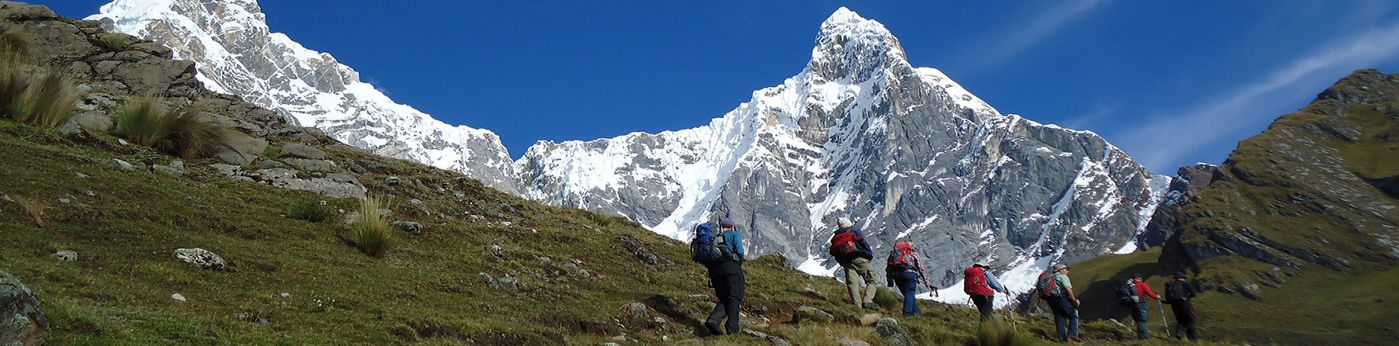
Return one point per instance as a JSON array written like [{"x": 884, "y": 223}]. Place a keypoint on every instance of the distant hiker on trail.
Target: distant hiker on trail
[
  {"x": 904, "y": 270},
  {"x": 981, "y": 285},
  {"x": 723, "y": 254},
  {"x": 849, "y": 248},
  {"x": 1054, "y": 287},
  {"x": 1131, "y": 293},
  {"x": 1179, "y": 293}
]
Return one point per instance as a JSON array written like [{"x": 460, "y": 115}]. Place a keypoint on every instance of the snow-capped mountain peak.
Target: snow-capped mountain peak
[{"x": 237, "y": 53}]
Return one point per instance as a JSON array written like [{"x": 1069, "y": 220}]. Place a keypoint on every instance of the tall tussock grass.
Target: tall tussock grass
[
  {"x": 370, "y": 230},
  {"x": 183, "y": 133},
  {"x": 310, "y": 210},
  {"x": 15, "y": 45},
  {"x": 44, "y": 98}
]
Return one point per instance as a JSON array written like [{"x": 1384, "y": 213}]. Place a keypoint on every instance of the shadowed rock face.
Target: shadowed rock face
[
  {"x": 1305, "y": 192},
  {"x": 1165, "y": 221},
  {"x": 904, "y": 151},
  {"x": 234, "y": 52}
]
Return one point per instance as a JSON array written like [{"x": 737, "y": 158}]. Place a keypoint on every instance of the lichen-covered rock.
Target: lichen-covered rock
[
  {"x": 893, "y": 333},
  {"x": 21, "y": 320},
  {"x": 204, "y": 259},
  {"x": 807, "y": 314}
]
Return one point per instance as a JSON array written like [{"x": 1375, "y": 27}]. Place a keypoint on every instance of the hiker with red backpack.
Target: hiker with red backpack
[
  {"x": 1056, "y": 289},
  {"x": 981, "y": 285},
  {"x": 722, "y": 253},
  {"x": 905, "y": 271},
  {"x": 1132, "y": 294},
  {"x": 850, "y": 249}
]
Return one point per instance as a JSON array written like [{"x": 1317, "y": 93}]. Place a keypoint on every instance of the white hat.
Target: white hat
[
  {"x": 844, "y": 222},
  {"x": 982, "y": 263}
]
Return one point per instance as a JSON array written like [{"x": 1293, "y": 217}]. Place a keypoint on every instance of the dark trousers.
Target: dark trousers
[
  {"x": 983, "y": 304},
  {"x": 728, "y": 287},
  {"x": 908, "y": 286},
  {"x": 1065, "y": 317},
  {"x": 1139, "y": 315},
  {"x": 1185, "y": 319}
]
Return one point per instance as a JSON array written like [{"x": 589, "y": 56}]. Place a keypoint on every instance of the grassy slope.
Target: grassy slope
[{"x": 1297, "y": 194}]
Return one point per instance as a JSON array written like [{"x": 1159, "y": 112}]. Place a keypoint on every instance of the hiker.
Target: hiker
[
  {"x": 1131, "y": 294},
  {"x": 1179, "y": 293},
  {"x": 905, "y": 271},
  {"x": 849, "y": 248},
  {"x": 1056, "y": 290},
  {"x": 981, "y": 285},
  {"x": 723, "y": 254}
]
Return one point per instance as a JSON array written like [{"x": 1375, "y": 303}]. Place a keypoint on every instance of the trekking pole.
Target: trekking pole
[{"x": 1163, "y": 317}]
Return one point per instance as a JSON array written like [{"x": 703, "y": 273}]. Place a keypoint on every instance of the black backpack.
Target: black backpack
[
  {"x": 1127, "y": 293},
  {"x": 1178, "y": 291}
]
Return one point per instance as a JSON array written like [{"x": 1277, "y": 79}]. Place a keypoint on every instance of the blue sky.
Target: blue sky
[{"x": 1171, "y": 82}]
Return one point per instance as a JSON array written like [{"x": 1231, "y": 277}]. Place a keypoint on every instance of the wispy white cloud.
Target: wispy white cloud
[
  {"x": 1030, "y": 34},
  {"x": 1167, "y": 140}
]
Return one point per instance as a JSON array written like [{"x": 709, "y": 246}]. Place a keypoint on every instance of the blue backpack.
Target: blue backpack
[{"x": 708, "y": 247}]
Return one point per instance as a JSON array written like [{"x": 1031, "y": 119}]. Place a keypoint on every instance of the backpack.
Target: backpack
[
  {"x": 1127, "y": 293},
  {"x": 900, "y": 261},
  {"x": 974, "y": 282},
  {"x": 1176, "y": 291},
  {"x": 1047, "y": 286},
  {"x": 844, "y": 245},
  {"x": 708, "y": 246}
]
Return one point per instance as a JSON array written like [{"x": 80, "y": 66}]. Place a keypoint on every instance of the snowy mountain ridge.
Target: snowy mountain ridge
[
  {"x": 236, "y": 53},
  {"x": 858, "y": 132}
]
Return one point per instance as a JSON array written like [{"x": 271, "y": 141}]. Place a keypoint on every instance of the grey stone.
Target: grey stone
[
  {"x": 392, "y": 180},
  {"x": 92, "y": 121},
  {"x": 638, "y": 311},
  {"x": 409, "y": 226},
  {"x": 176, "y": 168},
  {"x": 66, "y": 255},
  {"x": 848, "y": 341},
  {"x": 893, "y": 333},
  {"x": 643, "y": 253},
  {"x": 226, "y": 169},
  {"x": 807, "y": 314},
  {"x": 178, "y": 297},
  {"x": 21, "y": 11},
  {"x": 307, "y": 165},
  {"x": 775, "y": 340},
  {"x": 22, "y": 322},
  {"x": 204, "y": 259},
  {"x": 122, "y": 165},
  {"x": 242, "y": 149},
  {"x": 298, "y": 150}
]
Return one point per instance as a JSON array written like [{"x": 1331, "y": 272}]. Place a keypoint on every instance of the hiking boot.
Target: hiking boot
[
  {"x": 870, "y": 306},
  {"x": 713, "y": 328}
]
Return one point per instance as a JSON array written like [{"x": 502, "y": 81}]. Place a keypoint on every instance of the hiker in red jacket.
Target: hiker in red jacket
[{"x": 981, "y": 285}]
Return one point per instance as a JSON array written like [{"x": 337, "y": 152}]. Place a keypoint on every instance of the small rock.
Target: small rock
[
  {"x": 609, "y": 344},
  {"x": 64, "y": 200},
  {"x": 490, "y": 280},
  {"x": 176, "y": 168},
  {"x": 302, "y": 151},
  {"x": 248, "y": 316},
  {"x": 637, "y": 310},
  {"x": 122, "y": 141},
  {"x": 496, "y": 250},
  {"x": 893, "y": 333},
  {"x": 284, "y": 295},
  {"x": 813, "y": 293},
  {"x": 122, "y": 165},
  {"x": 409, "y": 226},
  {"x": 776, "y": 341},
  {"x": 807, "y": 314},
  {"x": 81, "y": 175},
  {"x": 66, "y": 255},
  {"x": 643, "y": 253},
  {"x": 870, "y": 319},
  {"x": 848, "y": 341},
  {"x": 204, "y": 259},
  {"x": 178, "y": 297},
  {"x": 89, "y": 193},
  {"x": 19, "y": 310},
  {"x": 622, "y": 338},
  {"x": 392, "y": 180}
]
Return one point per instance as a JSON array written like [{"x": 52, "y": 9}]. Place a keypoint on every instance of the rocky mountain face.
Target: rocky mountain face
[
  {"x": 1189, "y": 180},
  {"x": 1314, "y": 190},
  {"x": 234, "y": 52},
  {"x": 859, "y": 132}
]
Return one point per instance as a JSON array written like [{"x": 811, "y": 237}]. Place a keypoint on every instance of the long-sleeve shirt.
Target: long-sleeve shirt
[
  {"x": 863, "y": 245},
  {"x": 918, "y": 268},
  {"x": 995, "y": 285},
  {"x": 1145, "y": 290},
  {"x": 736, "y": 240}
]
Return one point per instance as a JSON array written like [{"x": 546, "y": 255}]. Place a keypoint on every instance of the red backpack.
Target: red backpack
[
  {"x": 843, "y": 245},
  {"x": 1047, "y": 285},
  {"x": 900, "y": 260},
  {"x": 975, "y": 282}
]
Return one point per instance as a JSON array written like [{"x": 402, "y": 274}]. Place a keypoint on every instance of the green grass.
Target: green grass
[
  {"x": 15, "y": 45},
  {"x": 184, "y": 132},
  {"x": 313, "y": 210},
  {"x": 114, "y": 41}
]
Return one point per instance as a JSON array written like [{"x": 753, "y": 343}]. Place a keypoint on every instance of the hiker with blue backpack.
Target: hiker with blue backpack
[
  {"x": 1132, "y": 293},
  {"x": 979, "y": 283},
  {"x": 721, "y": 252},
  {"x": 905, "y": 271},
  {"x": 850, "y": 249}
]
